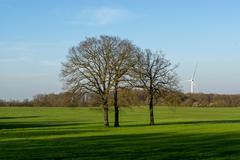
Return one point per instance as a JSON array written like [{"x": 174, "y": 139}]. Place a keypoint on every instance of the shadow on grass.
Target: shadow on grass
[
  {"x": 15, "y": 125},
  {"x": 19, "y": 117},
  {"x": 186, "y": 122},
  {"x": 132, "y": 146}
]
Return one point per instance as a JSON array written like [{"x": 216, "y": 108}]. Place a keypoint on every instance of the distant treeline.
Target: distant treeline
[{"x": 129, "y": 97}]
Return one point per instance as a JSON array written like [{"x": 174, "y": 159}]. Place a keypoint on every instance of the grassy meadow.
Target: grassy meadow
[{"x": 78, "y": 133}]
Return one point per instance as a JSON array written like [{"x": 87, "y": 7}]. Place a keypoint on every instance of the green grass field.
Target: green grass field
[{"x": 78, "y": 133}]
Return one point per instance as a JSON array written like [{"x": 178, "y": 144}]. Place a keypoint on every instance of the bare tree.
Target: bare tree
[
  {"x": 123, "y": 60},
  {"x": 88, "y": 69},
  {"x": 155, "y": 74}
]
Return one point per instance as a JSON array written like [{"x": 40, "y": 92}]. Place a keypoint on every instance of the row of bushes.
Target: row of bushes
[{"x": 128, "y": 97}]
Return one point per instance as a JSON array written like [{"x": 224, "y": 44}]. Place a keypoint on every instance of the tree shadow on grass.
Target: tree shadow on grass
[
  {"x": 15, "y": 125},
  {"x": 130, "y": 146},
  {"x": 186, "y": 123},
  {"x": 19, "y": 117}
]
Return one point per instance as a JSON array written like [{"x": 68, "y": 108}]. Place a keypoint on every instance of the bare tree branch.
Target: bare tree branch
[{"x": 154, "y": 74}]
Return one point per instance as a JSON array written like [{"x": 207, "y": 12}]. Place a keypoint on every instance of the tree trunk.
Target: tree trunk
[
  {"x": 116, "y": 109},
  {"x": 151, "y": 110},
  {"x": 105, "y": 110}
]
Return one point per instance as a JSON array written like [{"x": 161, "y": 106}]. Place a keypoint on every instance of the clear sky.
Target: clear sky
[{"x": 35, "y": 37}]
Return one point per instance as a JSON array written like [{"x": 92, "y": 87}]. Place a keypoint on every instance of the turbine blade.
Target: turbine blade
[
  {"x": 194, "y": 73},
  {"x": 186, "y": 80}
]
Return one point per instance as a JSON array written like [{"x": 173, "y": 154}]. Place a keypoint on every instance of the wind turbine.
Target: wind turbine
[{"x": 192, "y": 80}]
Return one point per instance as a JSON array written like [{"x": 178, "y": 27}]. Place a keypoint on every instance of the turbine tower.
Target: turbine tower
[{"x": 192, "y": 80}]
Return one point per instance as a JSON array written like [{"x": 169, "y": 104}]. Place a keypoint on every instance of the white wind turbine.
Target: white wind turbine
[{"x": 192, "y": 81}]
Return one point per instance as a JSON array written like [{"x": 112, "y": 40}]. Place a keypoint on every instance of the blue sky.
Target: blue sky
[{"x": 35, "y": 37}]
